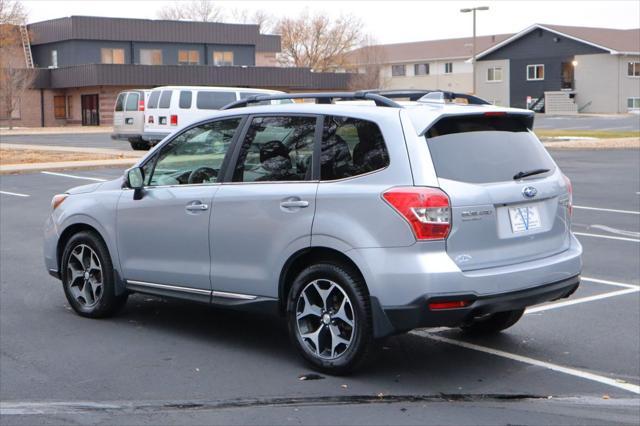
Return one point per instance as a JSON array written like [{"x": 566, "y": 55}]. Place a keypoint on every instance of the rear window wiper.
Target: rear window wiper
[{"x": 521, "y": 175}]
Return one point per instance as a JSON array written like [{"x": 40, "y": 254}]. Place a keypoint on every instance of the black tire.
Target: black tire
[
  {"x": 139, "y": 145},
  {"x": 361, "y": 333},
  {"x": 493, "y": 323},
  {"x": 106, "y": 303}
]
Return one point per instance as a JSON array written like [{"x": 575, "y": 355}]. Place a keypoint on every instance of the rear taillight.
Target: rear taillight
[
  {"x": 174, "y": 120},
  {"x": 141, "y": 105},
  {"x": 150, "y": 119},
  {"x": 570, "y": 191},
  {"x": 452, "y": 304},
  {"x": 427, "y": 210},
  {"x": 495, "y": 114}
]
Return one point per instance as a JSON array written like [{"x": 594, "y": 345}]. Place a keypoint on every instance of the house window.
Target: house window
[
  {"x": 633, "y": 69},
  {"x": 448, "y": 67},
  {"x": 188, "y": 57},
  {"x": 112, "y": 56},
  {"x": 151, "y": 56},
  {"x": 633, "y": 104},
  {"x": 222, "y": 58},
  {"x": 535, "y": 72},
  {"x": 494, "y": 74},
  {"x": 398, "y": 70},
  {"x": 421, "y": 69},
  {"x": 60, "y": 107},
  {"x": 54, "y": 58}
]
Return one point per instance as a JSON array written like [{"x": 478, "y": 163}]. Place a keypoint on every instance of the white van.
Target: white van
[
  {"x": 128, "y": 117},
  {"x": 172, "y": 107}
]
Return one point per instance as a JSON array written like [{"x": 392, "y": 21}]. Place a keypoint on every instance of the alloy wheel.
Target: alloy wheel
[{"x": 84, "y": 276}]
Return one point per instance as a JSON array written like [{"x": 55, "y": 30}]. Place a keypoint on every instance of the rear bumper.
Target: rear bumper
[
  {"x": 417, "y": 314},
  {"x": 126, "y": 136},
  {"x": 154, "y": 136}
]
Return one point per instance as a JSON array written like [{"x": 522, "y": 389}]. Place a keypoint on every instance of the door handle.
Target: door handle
[
  {"x": 294, "y": 203},
  {"x": 196, "y": 206}
]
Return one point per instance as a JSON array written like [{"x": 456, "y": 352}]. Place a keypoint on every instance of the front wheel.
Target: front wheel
[
  {"x": 493, "y": 323},
  {"x": 329, "y": 318}
]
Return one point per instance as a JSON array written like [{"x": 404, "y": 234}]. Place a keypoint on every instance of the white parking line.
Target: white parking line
[
  {"x": 616, "y": 231},
  {"x": 74, "y": 176},
  {"x": 606, "y": 210},
  {"x": 14, "y": 193},
  {"x": 608, "y": 282},
  {"x": 584, "y": 234},
  {"x": 549, "y": 366},
  {"x": 581, "y": 300}
]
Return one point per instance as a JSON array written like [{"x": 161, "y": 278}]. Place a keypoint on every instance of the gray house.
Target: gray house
[{"x": 564, "y": 70}]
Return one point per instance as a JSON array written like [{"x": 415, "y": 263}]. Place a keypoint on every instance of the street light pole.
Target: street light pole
[{"x": 473, "y": 60}]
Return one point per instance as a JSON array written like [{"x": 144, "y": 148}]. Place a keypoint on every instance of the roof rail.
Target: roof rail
[
  {"x": 428, "y": 95},
  {"x": 321, "y": 98}
]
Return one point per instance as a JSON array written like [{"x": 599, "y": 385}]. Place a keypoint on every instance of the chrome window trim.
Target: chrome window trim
[{"x": 169, "y": 287}]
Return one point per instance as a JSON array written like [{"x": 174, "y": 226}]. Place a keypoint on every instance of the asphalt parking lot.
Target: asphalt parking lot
[{"x": 161, "y": 361}]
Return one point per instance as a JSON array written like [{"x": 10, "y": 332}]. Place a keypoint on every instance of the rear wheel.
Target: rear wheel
[
  {"x": 493, "y": 323},
  {"x": 88, "y": 278},
  {"x": 329, "y": 318},
  {"x": 139, "y": 145}
]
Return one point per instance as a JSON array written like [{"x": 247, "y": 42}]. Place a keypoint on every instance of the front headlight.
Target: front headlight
[{"x": 57, "y": 200}]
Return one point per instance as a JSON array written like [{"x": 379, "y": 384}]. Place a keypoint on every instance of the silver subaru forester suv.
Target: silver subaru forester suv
[{"x": 356, "y": 217}]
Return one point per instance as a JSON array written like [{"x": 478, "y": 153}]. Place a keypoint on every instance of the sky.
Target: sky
[{"x": 390, "y": 21}]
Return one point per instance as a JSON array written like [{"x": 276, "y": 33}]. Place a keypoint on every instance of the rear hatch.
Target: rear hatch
[{"x": 497, "y": 217}]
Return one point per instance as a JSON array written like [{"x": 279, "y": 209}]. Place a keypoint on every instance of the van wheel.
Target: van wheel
[
  {"x": 88, "y": 278},
  {"x": 493, "y": 323},
  {"x": 139, "y": 146},
  {"x": 329, "y": 318}
]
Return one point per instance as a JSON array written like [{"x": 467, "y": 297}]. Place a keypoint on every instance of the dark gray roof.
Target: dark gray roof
[
  {"x": 196, "y": 75},
  {"x": 123, "y": 29}
]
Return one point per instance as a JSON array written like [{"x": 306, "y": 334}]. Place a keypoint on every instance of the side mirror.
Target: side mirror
[{"x": 135, "y": 178}]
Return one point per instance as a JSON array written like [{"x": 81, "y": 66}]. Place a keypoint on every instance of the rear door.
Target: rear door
[
  {"x": 118, "y": 113},
  {"x": 133, "y": 115},
  {"x": 499, "y": 218}
]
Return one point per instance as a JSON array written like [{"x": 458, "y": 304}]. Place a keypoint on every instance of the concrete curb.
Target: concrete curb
[
  {"x": 65, "y": 165},
  {"x": 102, "y": 151},
  {"x": 76, "y": 130}
]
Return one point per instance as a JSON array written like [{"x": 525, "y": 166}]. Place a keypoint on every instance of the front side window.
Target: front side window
[
  {"x": 188, "y": 57},
  {"x": 633, "y": 69},
  {"x": 421, "y": 69},
  {"x": 151, "y": 56},
  {"x": 633, "y": 104},
  {"x": 448, "y": 67},
  {"x": 193, "y": 157},
  {"x": 398, "y": 70},
  {"x": 494, "y": 74},
  {"x": 132, "y": 102},
  {"x": 214, "y": 100},
  {"x": 535, "y": 72},
  {"x": 60, "y": 106},
  {"x": 351, "y": 147},
  {"x": 120, "y": 102},
  {"x": 277, "y": 149},
  {"x": 223, "y": 58},
  {"x": 112, "y": 56}
]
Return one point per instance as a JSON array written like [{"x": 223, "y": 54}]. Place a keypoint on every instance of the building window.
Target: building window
[
  {"x": 69, "y": 107},
  {"x": 421, "y": 69},
  {"x": 535, "y": 72},
  {"x": 188, "y": 57},
  {"x": 60, "y": 107},
  {"x": 54, "y": 58},
  {"x": 633, "y": 69},
  {"x": 398, "y": 70},
  {"x": 112, "y": 56},
  {"x": 633, "y": 104},
  {"x": 222, "y": 58},
  {"x": 151, "y": 56},
  {"x": 448, "y": 67},
  {"x": 494, "y": 74}
]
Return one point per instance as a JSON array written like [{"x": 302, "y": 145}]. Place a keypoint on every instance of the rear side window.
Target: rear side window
[
  {"x": 185, "y": 99},
  {"x": 153, "y": 99},
  {"x": 351, "y": 147},
  {"x": 214, "y": 100},
  {"x": 485, "y": 149},
  {"x": 120, "y": 101},
  {"x": 132, "y": 102},
  {"x": 165, "y": 99}
]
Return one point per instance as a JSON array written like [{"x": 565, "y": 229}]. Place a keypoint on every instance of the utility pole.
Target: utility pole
[{"x": 473, "y": 60}]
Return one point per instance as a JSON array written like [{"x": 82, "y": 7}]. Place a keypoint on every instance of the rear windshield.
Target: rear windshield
[
  {"x": 153, "y": 99},
  {"x": 132, "y": 102},
  {"x": 214, "y": 100},
  {"x": 120, "y": 101},
  {"x": 485, "y": 149}
]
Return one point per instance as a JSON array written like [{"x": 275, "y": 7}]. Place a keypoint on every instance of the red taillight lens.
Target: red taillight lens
[
  {"x": 454, "y": 304},
  {"x": 495, "y": 114},
  {"x": 141, "y": 105},
  {"x": 174, "y": 120},
  {"x": 570, "y": 190},
  {"x": 150, "y": 119},
  {"x": 426, "y": 209}
]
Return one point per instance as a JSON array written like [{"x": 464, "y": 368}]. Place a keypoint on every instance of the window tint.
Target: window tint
[
  {"x": 277, "y": 149},
  {"x": 165, "y": 99},
  {"x": 484, "y": 149},
  {"x": 132, "y": 102},
  {"x": 185, "y": 99},
  {"x": 153, "y": 99},
  {"x": 194, "y": 156},
  {"x": 351, "y": 147},
  {"x": 120, "y": 101},
  {"x": 214, "y": 100}
]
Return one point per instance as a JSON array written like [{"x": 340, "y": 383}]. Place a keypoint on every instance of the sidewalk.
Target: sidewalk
[
  {"x": 108, "y": 151},
  {"x": 23, "y": 131}
]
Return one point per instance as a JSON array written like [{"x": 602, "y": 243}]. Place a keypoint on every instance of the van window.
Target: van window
[
  {"x": 214, "y": 100},
  {"x": 132, "y": 102},
  {"x": 185, "y": 99},
  {"x": 120, "y": 101},
  {"x": 153, "y": 99},
  {"x": 165, "y": 99}
]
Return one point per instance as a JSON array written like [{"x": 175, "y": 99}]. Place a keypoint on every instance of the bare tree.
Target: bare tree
[
  {"x": 318, "y": 41},
  {"x": 367, "y": 62},
  {"x": 194, "y": 10},
  {"x": 15, "y": 77},
  {"x": 263, "y": 19}
]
